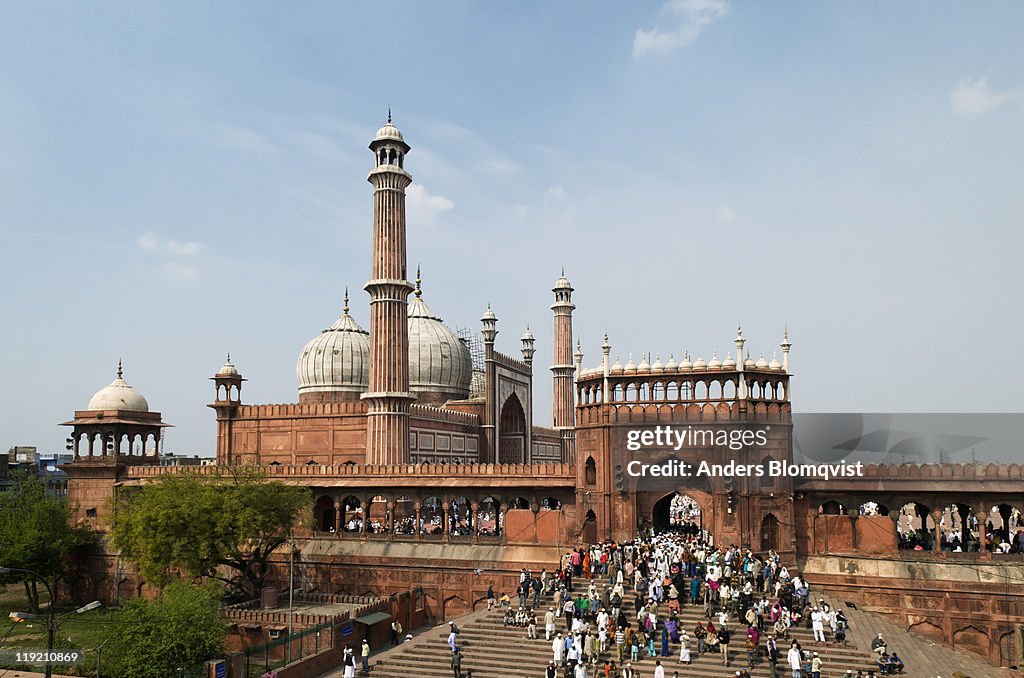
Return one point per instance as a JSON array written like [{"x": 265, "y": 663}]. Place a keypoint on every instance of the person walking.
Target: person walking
[
  {"x": 457, "y": 664},
  {"x": 795, "y": 658},
  {"x": 396, "y": 631},
  {"x": 723, "y": 643},
  {"x": 684, "y": 648},
  {"x": 549, "y": 623},
  {"x": 771, "y": 652},
  {"x": 348, "y": 661},
  {"x": 365, "y": 653}
]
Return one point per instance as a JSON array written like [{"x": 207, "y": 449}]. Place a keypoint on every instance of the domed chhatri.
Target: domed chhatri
[
  {"x": 118, "y": 395},
  {"x": 229, "y": 369},
  {"x": 440, "y": 366},
  {"x": 389, "y": 132},
  {"x": 335, "y": 364}
]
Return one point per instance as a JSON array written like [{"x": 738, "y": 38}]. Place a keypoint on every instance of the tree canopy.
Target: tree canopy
[
  {"x": 35, "y": 534},
  {"x": 201, "y": 524},
  {"x": 179, "y": 629}
]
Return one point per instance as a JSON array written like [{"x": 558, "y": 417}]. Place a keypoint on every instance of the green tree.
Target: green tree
[
  {"x": 179, "y": 629},
  {"x": 222, "y": 526},
  {"x": 35, "y": 534}
]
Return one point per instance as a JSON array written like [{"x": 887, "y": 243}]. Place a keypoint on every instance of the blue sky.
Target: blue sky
[{"x": 182, "y": 180}]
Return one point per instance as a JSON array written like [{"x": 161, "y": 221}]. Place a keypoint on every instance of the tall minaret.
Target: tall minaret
[
  {"x": 563, "y": 412},
  {"x": 388, "y": 396}
]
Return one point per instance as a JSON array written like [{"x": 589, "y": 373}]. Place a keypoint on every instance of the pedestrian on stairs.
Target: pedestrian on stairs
[
  {"x": 348, "y": 661},
  {"x": 795, "y": 659},
  {"x": 365, "y": 653},
  {"x": 457, "y": 664}
]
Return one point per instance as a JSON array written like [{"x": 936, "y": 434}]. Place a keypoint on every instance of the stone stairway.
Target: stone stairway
[
  {"x": 492, "y": 650},
  {"x": 923, "y": 657}
]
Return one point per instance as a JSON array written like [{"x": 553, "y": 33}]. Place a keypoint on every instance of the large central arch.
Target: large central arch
[{"x": 655, "y": 508}]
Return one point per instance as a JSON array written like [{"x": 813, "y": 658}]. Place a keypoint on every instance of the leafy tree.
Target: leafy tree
[
  {"x": 35, "y": 534},
  {"x": 180, "y": 628},
  {"x": 223, "y": 526}
]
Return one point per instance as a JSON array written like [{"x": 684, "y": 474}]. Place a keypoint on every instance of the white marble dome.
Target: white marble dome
[
  {"x": 337, "y": 359},
  {"x": 389, "y": 132},
  {"x": 118, "y": 395},
  {"x": 440, "y": 366}
]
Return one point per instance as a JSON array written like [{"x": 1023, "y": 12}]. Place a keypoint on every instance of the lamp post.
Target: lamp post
[
  {"x": 51, "y": 618},
  {"x": 51, "y": 623}
]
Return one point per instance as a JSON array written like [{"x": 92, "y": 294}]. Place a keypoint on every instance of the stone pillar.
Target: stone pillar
[
  {"x": 535, "y": 508},
  {"x": 388, "y": 396},
  {"x": 446, "y": 522},
  {"x": 366, "y": 515},
  {"x": 416, "y": 524},
  {"x": 982, "y": 517},
  {"x": 391, "y": 519},
  {"x": 339, "y": 517},
  {"x": 936, "y": 517},
  {"x": 563, "y": 409},
  {"x": 473, "y": 528}
]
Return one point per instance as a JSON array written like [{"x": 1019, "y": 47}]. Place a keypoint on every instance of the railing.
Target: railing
[{"x": 283, "y": 651}]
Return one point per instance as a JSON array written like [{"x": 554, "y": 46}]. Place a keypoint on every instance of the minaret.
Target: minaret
[
  {"x": 741, "y": 392},
  {"x": 606, "y": 352},
  {"x": 528, "y": 349},
  {"x": 563, "y": 403},
  {"x": 388, "y": 396},
  {"x": 785, "y": 346}
]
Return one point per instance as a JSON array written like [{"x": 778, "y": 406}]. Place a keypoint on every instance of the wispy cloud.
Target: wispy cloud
[
  {"x": 972, "y": 97},
  {"x": 149, "y": 242},
  {"x": 420, "y": 198},
  {"x": 679, "y": 24}
]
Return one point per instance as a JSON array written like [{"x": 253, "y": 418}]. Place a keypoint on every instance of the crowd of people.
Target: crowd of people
[{"x": 749, "y": 605}]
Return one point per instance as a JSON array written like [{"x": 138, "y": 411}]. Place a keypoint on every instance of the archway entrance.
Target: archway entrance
[
  {"x": 770, "y": 533},
  {"x": 678, "y": 512},
  {"x": 512, "y": 425}
]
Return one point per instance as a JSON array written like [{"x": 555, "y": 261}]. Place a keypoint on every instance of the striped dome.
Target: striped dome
[{"x": 336, "y": 360}]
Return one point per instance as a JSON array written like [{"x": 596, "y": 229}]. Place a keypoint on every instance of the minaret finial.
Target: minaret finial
[
  {"x": 120, "y": 369},
  {"x": 345, "y": 307},
  {"x": 389, "y": 113},
  {"x": 229, "y": 356},
  {"x": 419, "y": 281}
]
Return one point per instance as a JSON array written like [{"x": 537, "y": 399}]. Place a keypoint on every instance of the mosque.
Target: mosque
[{"x": 428, "y": 471}]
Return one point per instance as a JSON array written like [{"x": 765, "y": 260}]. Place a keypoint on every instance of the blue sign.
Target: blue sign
[
  {"x": 346, "y": 629},
  {"x": 220, "y": 670}
]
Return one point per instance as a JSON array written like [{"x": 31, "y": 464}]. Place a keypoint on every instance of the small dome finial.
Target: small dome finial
[
  {"x": 120, "y": 369},
  {"x": 344, "y": 308},
  {"x": 419, "y": 282},
  {"x": 229, "y": 356},
  {"x": 389, "y": 113}
]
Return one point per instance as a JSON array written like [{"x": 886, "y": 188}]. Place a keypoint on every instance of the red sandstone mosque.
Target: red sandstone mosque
[{"x": 427, "y": 469}]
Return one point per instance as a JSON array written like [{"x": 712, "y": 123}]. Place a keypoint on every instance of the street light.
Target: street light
[
  {"x": 51, "y": 619},
  {"x": 51, "y": 626}
]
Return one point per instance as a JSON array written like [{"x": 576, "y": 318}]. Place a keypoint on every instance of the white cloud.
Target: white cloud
[
  {"x": 971, "y": 97},
  {"x": 151, "y": 243},
  {"x": 420, "y": 197},
  {"x": 680, "y": 23},
  {"x": 725, "y": 213}
]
